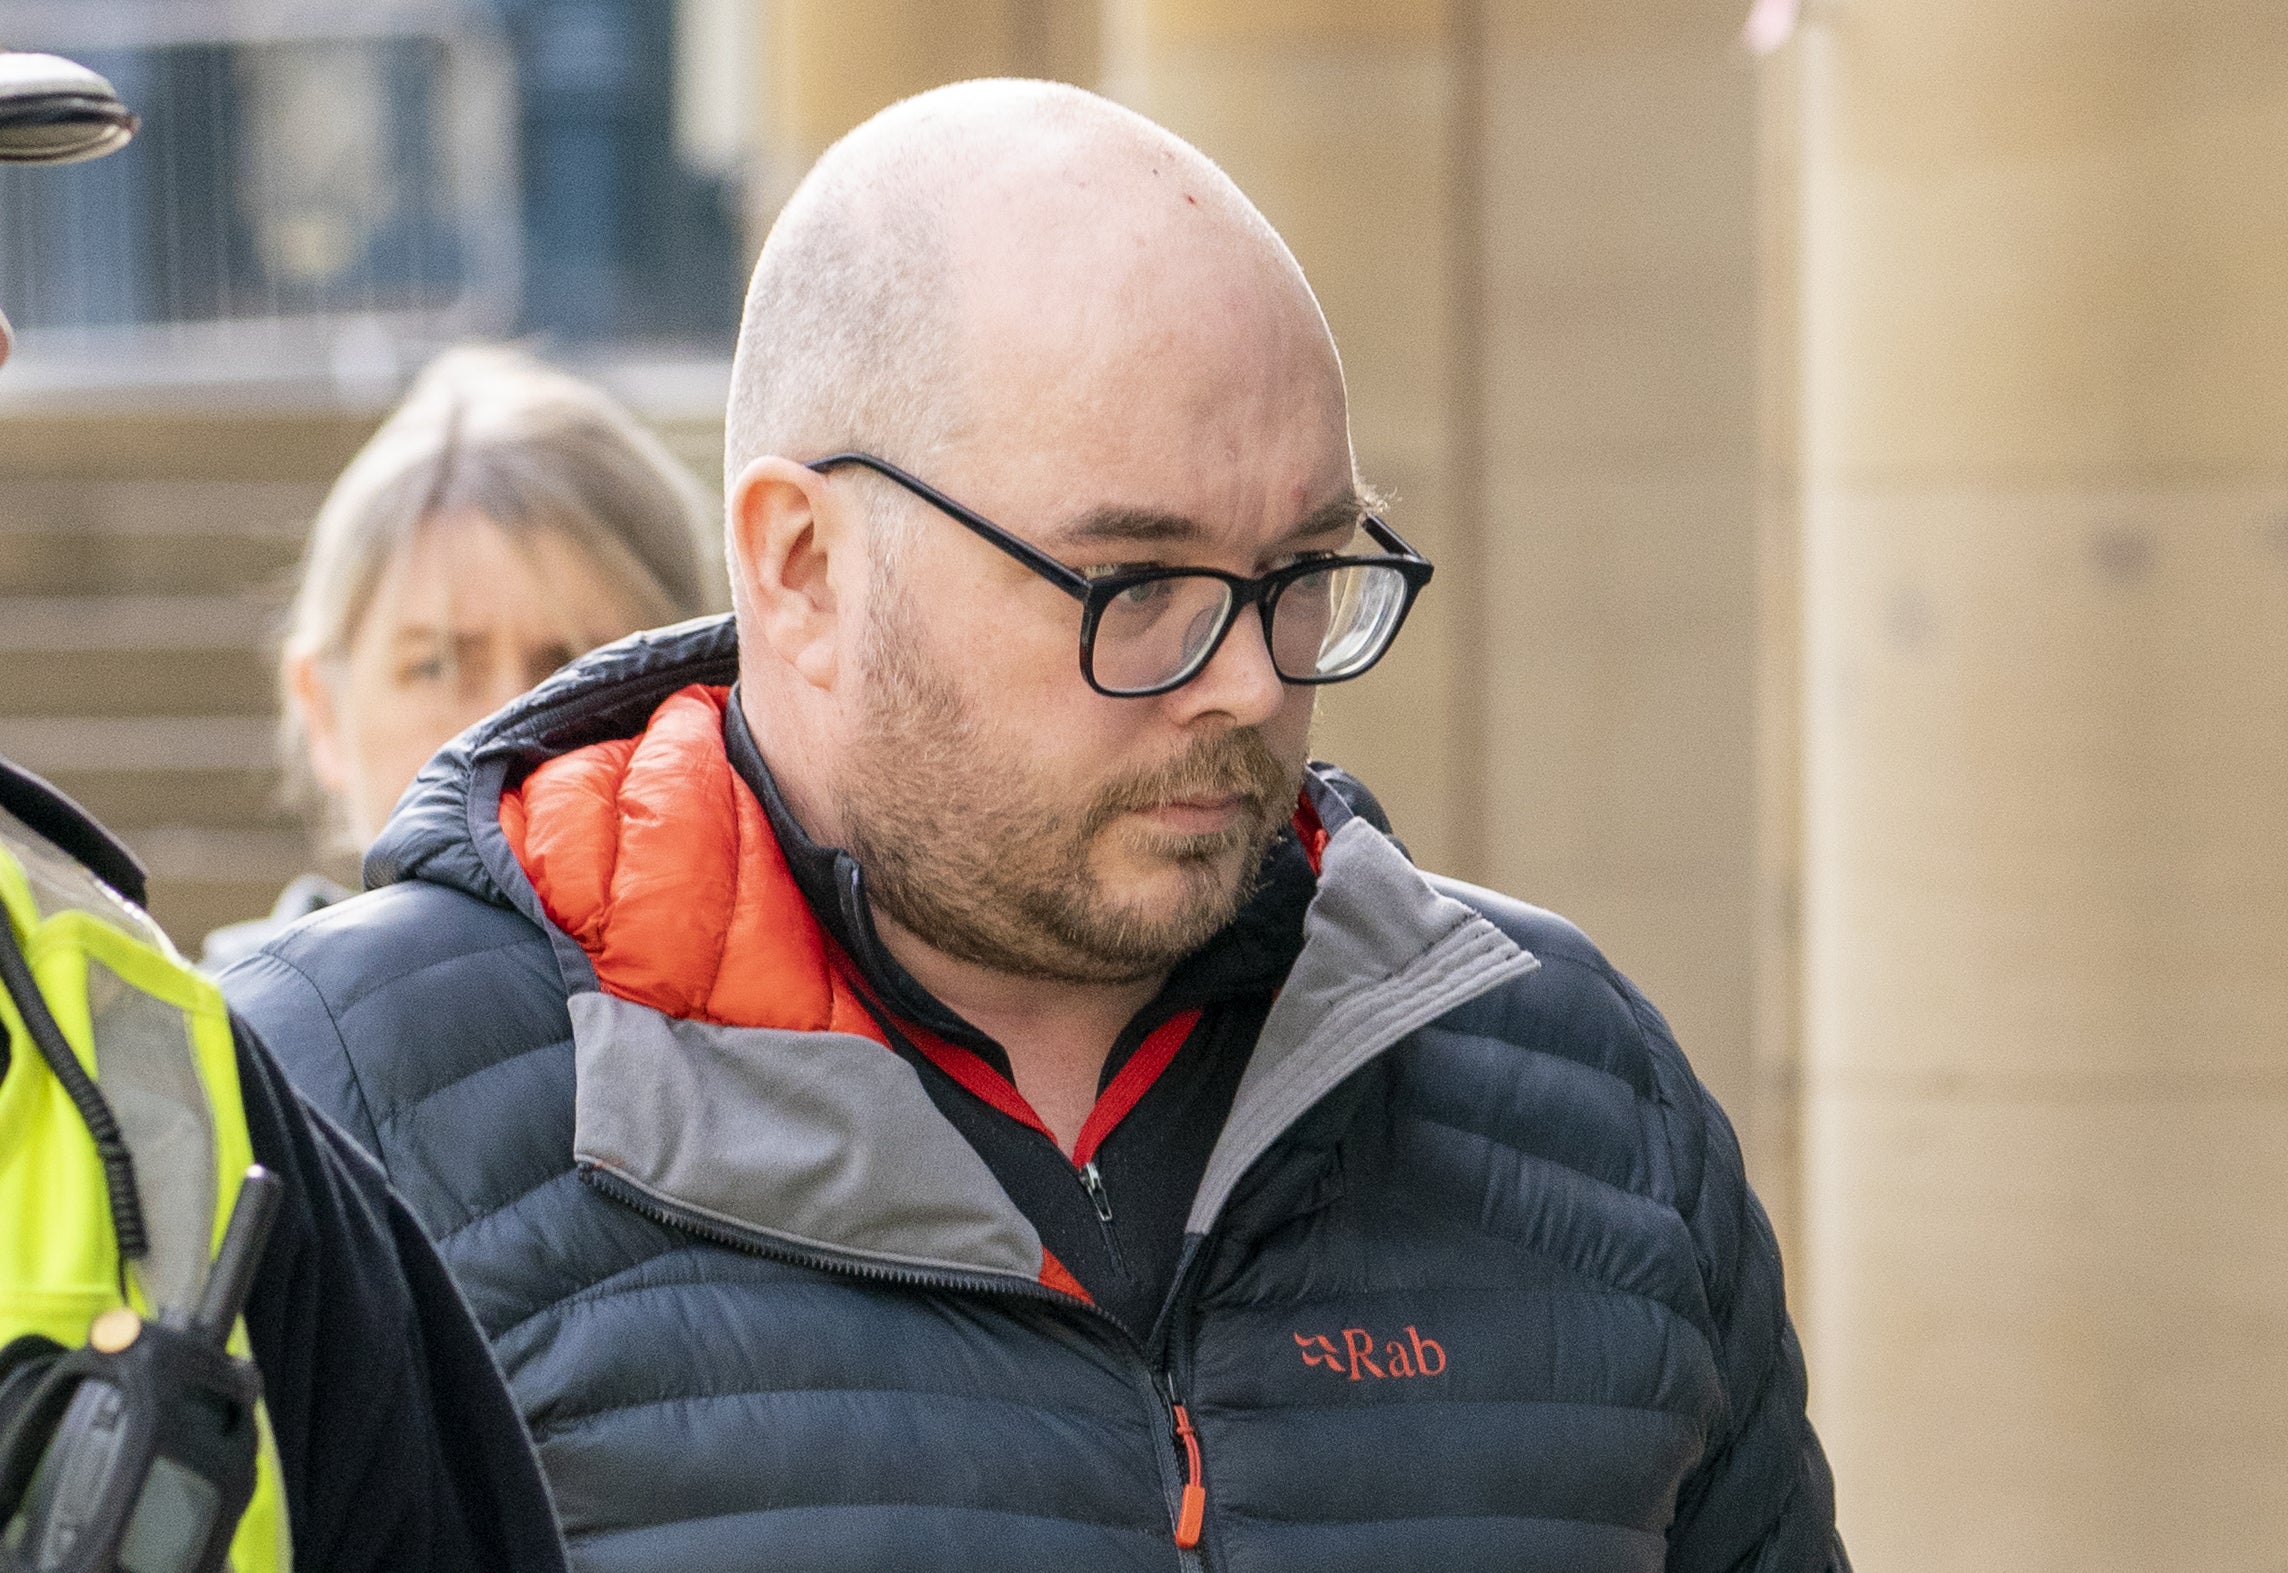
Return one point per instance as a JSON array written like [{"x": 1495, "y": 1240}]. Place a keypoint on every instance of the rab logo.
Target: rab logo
[{"x": 1418, "y": 1356}]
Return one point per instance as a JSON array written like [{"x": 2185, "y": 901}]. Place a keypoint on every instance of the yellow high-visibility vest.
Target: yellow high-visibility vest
[{"x": 156, "y": 1038}]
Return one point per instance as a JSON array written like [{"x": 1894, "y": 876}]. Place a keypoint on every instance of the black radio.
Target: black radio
[{"x": 136, "y": 1452}]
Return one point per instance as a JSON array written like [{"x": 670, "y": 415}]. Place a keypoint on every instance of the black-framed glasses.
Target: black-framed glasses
[{"x": 1146, "y": 631}]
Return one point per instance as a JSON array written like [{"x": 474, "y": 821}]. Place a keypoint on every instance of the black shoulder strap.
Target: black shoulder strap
[
  {"x": 94, "y": 1109},
  {"x": 57, "y": 818}
]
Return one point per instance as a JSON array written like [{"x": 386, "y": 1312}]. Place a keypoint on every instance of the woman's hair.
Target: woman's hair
[{"x": 491, "y": 431}]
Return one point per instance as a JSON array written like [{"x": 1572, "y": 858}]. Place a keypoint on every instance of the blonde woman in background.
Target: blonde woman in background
[{"x": 505, "y": 519}]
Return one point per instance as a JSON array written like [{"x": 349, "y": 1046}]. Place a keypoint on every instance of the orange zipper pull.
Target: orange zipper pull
[{"x": 1195, "y": 1502}]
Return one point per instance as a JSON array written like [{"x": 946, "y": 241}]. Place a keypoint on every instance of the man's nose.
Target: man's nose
[{"x": 1239, "y": 680}]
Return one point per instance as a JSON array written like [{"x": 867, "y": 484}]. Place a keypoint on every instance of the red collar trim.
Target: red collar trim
[
  {"x": 970, "y": 1071},
  {"x": 1309, "y": 831}
]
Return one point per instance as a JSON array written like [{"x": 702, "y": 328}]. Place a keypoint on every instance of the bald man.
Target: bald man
[{"x": 922, "y": 1073}]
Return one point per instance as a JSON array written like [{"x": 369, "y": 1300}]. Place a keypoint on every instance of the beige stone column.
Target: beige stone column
[
  {"x": 1333, "y": 115},
  {"x": 831, "y": 63},
  {"x": 1531, "y": 226},
  {"x": 2045, "y": 282},
  {"x": 1622, "y": 501},
  {"x": 1774, "y": 1117}
]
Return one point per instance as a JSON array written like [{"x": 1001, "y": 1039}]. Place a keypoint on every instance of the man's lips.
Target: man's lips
[{"x": 1196, "y": 815}]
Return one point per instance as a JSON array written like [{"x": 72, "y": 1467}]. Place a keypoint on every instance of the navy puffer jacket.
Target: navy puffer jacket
[{"x": 1474, "y": 1281}]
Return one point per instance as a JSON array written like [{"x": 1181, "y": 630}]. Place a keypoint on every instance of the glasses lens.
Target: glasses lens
[
  {"x": 1158, "y": 631},
  {"x": 1337, "y": 622}
]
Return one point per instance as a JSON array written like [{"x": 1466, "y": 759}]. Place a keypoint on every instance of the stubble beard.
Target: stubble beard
[{"x": 961, "y": 845}]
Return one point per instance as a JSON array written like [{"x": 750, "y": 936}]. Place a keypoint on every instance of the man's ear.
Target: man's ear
[
  {"x": 785, "y": 532},
  {"x": 320, "y": 713}
]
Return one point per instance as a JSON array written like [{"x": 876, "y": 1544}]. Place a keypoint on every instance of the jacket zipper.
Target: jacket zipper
[
  {"x": 1092, "y": 1181},
  {"x": 1192, "y": 1504},
  {"x": 630, "y": 1195},
  {"x": 1187, "y": 1513}
]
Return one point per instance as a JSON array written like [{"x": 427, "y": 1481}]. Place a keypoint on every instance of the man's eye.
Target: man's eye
[
  {"x": 421, "y": 669},
  {"x": 1296, "y": 558},
  {"x": 1150, "y": 592}
]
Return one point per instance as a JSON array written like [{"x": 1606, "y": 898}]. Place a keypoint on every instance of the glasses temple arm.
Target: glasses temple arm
[
  {"x": 1391, "y": 540},
  {"x": 1073, "y": 584}
]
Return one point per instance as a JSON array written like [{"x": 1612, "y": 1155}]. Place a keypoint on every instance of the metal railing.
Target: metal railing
[{"x": 319, "y": 190}]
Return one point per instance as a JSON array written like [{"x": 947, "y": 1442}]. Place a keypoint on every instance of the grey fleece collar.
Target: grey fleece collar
[
  {"x": 822, "y": 1140},
  {"x": 1383, "y": 953},
  {"x": 828, "y": 1141}
]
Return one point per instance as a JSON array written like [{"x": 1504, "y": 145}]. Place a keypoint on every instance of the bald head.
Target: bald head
[
  {"x": 1072, "y": 322},
  {"x": 968, "y": 249}
]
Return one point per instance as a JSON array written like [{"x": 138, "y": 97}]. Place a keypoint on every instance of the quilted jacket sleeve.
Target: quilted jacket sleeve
[
  {"x": 401, "y": 1450},
  {"x": 1762, "y": 1501},
  {"x": 296, "y": 1023}
]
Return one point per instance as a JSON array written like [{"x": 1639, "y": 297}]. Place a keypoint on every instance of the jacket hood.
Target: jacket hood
[
  {"x": 446, "y": 828},
  {"x": 651, "y": 853}
]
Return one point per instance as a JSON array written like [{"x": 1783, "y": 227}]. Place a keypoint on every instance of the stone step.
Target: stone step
[
  {"x": 204, "y": 855},
  {"x": 112, "y": 562},
  {"x": 191, "y": 911},
  {"x": 132, "y": 800},
  {"x": 100, "y": 624},
  {"x": 278, "y": 512},
  {"x": 133, "y": 772},
  {"x": 202, "y": 877},
  {"x": 133, "y": 744},
  {"x": 125, "y": 683},
  {"x": 149, "y": 538}
]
